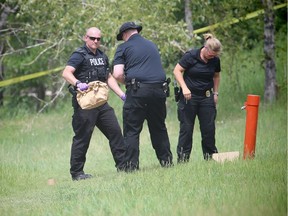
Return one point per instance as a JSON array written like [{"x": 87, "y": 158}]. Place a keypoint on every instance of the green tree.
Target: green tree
[
  {"x": 41, "y": 35},
  {"x": 5, "y": 11}
]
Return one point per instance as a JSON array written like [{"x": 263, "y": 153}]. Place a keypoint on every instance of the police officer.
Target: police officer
[
  {"x": 137, "y": 63},
  {"x": 85, "y": 65},
  {"x": 198, "y": 73}
]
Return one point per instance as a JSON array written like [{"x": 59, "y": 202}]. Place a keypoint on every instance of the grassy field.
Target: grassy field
[{"x": 35, "y": 149}]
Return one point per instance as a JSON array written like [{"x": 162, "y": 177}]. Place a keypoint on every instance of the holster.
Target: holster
[
  {"x": 134, "y": 84},
  {"x": 177, "y": 91},
  {"x": 166, "y": 87},
  {"x": 72, "y": 90}
]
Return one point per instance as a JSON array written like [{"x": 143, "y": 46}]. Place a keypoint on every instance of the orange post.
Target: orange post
[{"x": 251, "y": 106}]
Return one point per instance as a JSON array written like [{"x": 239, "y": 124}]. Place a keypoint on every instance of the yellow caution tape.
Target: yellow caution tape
[
  {"x": 234, "y": 20},
  {"x": 205, "y": 29},
  {"x": 28, "y": 77}
]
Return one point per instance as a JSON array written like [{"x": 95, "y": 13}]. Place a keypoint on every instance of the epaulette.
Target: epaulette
[{"x": 81, "y": 50}]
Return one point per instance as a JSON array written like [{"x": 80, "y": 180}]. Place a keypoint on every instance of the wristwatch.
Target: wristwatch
[{"x": 77, "y": 82}]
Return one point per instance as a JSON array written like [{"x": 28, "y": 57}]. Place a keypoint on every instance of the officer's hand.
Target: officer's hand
[
  {"x": 82, "y": 86},
  {"x": 123, "y": 97},
  {"x": 187, "y": 93}
]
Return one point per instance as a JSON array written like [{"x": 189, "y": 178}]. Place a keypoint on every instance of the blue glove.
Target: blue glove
[
  {"x": 123, "y": 97},
  {"x": 82, "y": 86}
]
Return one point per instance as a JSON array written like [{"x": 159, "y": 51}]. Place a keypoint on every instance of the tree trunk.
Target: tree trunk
[
  {"x": 1, "y": 94},
  {"x": 269, "y": 51},
  {"x": 188, "y": 18},
  {"x": 41, "y": 96},
  {"x": 5, "y": 11},
  {"x": 1, "y": 73}
]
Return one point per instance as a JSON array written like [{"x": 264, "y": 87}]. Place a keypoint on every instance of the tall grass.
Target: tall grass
[{"x": 37, "y": 148}]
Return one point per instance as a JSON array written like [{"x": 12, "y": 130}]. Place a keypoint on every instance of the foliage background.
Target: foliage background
[{"x": 42, "y": 35}]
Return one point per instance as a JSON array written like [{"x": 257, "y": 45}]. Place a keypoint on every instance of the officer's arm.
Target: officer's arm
[
  {"x": 216, "y": 79},
  {"x": 112, "y": 83},
  {"x": 178, "y": 73},
  {"x": 68, "y": 75},
  {"x": 118, "y": 73}
]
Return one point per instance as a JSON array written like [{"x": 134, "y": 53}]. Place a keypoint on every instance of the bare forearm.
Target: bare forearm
[
  {"x": 68, "y": 75},
  {"x": 216, "y": 82},
  {"x": 112, "y": 83},
  {"x": 178, "y": 73}
]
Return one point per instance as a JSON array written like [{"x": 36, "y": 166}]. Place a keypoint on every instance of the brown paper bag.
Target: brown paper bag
[{"x": 95, "y": 96}]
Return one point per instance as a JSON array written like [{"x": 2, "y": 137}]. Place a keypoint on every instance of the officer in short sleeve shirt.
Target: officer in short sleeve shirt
[
  {"x": 137, "y": 64},
  {"x": 198, "y": 73},
  {"x": 87, "y": 64}
]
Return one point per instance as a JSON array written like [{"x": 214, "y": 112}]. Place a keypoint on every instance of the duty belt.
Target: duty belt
[
  {"x": 144, "y": 85},
  {"x": 151, "y": 85},
  {"x": 164, "y": 85},
  {"x": 205, "y": 93}
]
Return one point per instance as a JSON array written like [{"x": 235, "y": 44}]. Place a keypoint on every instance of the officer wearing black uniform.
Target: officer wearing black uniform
[
  {"x": 198, "y": 73},
  {"x": 137, "y": 64},
  {"x": 85, "y": 65}
]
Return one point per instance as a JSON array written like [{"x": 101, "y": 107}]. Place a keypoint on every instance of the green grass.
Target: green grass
[{"x": 37, "y": 148}]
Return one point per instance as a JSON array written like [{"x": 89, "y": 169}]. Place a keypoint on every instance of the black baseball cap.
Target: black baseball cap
[{"x": 126, "y": 26}]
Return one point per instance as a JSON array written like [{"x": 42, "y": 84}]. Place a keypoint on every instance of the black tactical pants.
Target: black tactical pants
[
  {"x": 83, "y": 124},
  {"x": 204, "y": 108},
  {"x": 146, "y": 103}
]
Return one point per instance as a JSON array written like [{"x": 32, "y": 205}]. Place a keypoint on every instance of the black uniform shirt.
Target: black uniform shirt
[
  {"x": 198, "y": 75},
  {"x": 88, "y": 65},
  {"x": 141, "y": 60}
]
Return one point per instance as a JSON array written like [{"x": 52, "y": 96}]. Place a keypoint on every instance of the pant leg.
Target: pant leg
[
  {"x": 134, "y": 112},
  {"x": 187, "y": 111},
  {"x": 83, "y": 123},
  {"x": 156, "y": 115},
  {"x": 207, "y": 115},
  {"x": 109, "y": 126}
]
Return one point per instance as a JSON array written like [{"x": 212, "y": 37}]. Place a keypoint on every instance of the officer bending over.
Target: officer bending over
[
  {"x": 198, "y": 73},
  {"x": 137, "y": 64}
]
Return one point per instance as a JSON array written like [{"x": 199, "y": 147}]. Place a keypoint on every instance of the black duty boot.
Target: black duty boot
[
  {"x": 183, "y": 158},
  {"x": 207, "y": 156},
  {"x": 167, "y": 163},
  {"x": 131, "y": 167},
  {"x": 121, "y": 168},
  {"x": 81, "y": 177}
]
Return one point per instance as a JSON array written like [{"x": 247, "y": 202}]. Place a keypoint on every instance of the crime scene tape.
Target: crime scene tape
[
  {"x": 204, "y": 29},
  {"x": 234, "y": 20},
  {"x": 28, "y": 77}
]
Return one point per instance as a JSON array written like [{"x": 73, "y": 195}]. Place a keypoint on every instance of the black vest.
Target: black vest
[{"x": 93, "y": 67}]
